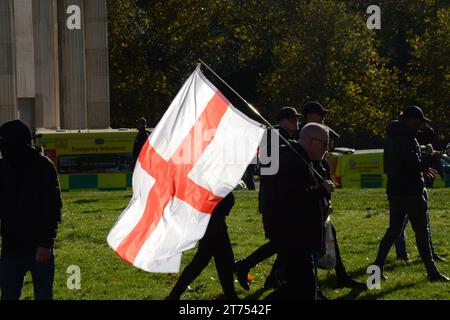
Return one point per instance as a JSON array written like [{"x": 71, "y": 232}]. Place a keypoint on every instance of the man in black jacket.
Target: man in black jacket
[
  {"x": 288, "y": 122},
  {"x": 424, "y": 136},
  {"x": 30, "y": 213},
  {"x": 406, "y": 191},
  {"x": 314, "y": 112},
  {"x": 215, "y": 243},
  {"x": 298, "y": 232},
  {"x": 141, "y": 139}
]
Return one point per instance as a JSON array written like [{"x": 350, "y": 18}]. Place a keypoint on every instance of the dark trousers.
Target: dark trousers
[
  {"x": 215, "y": 245},
  {"x": 248, "y": 176},
  {"x": 262, "y": 253},
  {"x": 13, "y": 271},
  {"x": 268, "y": 249},
  {"x": 265, "y": 251},
  {"x": 415, "y": 209},
  {"x": 299, "y": 279},
  {"x": 400, "y": 244}
]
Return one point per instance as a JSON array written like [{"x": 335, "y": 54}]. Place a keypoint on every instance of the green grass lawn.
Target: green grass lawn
[{"x": 360, "y": 217}]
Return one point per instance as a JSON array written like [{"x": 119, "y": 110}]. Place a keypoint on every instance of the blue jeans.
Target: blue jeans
[{"x": 13, "y": 271}]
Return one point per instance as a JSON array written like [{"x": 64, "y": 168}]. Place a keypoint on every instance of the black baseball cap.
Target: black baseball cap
[
  {"x": 314, "y": 107},
  {"x": 288, "y": 113},
  {"x": 414, "y": 112}
]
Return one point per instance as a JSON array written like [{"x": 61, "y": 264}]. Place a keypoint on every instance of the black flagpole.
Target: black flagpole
[{"x": 265, "y": 121}]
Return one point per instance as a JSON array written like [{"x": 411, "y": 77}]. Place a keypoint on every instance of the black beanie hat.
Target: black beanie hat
[{"x": 16, "y": 133}]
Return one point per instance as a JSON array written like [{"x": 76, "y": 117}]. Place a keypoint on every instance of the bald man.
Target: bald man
[{"x": 299, "y": 231}]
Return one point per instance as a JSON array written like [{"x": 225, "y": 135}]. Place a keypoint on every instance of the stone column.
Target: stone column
[
  {"x": 8, "y": 95},
  {"x": 45, "y": 20},
  {"x": 72, "y": 71},
  {"x": 23, "y": 31},
  {"x": 97, "y": 71},
  {"x": 24, "y": 48}
]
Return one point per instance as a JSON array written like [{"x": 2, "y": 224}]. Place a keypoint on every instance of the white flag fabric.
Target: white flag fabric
[{"x": 194, "y": 157}]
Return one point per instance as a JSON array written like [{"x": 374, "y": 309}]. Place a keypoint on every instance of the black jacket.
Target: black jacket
[
  {"x": 139, "y": 142},
  {"x": 323, "y": 168},
  {"x": 30, "y": 201},
  {"x": 217, "y": 224},
  {"x": 299, "y": 197},
  {"x": 403, "y": 162},
  {"x": 267, "y": 204}
]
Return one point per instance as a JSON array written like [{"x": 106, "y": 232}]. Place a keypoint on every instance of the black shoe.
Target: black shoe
[
  {"x": 348, "y": 282},
  {"x": 437, "y": 257},
  {"x": 242, "y": 271},
  {"x": 404, "y": 258},
  {"x": 438, "y": 277},
  {"x": 383, "y": 276}
]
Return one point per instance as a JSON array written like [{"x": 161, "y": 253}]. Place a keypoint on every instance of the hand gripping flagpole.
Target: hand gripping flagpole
[{"x": 263, "y": 119}]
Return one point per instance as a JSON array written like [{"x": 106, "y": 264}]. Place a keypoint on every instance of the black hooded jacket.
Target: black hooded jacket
[
  {"x": 403, "y": 162},
  {"x": 30, "y": 199}
]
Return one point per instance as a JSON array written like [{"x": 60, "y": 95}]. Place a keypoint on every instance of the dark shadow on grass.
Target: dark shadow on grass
[
  {"x": 91, "y": 211},
  {"x": 389, "y": 266},
  {"x": 84, "y": 201},
  {"x": 379, "y": 294},
  {"x": 352, "y": 295},
  {"x": 331, "y": 282},
  {"x": 255, "y": 295}
]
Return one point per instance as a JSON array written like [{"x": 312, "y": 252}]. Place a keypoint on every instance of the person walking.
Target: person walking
[
  {"x": 405, "y": 168},
  {"x": 215, "y": 243},
  {"x": 30, "y": 213}
]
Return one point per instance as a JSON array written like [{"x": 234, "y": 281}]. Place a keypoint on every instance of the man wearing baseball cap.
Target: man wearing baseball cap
[
  {"x": 313, "y": 111},
  {"x": 288, "y": 123},
  {"x": 288, "y": 128},
  {"x": 405, "y": 168}
]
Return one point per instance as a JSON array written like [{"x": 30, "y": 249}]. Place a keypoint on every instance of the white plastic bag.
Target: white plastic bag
[{"x": 328, "y": 260}]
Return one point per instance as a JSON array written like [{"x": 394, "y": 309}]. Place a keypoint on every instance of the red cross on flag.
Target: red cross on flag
[{"x": 194, "y": 157}]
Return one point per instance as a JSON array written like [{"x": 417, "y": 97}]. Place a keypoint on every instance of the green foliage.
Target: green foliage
[
  {"x": 278, "y": 53},
  {"x": 429, "y": 72}
]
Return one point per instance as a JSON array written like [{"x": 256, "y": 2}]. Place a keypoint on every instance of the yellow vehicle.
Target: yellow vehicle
[
  {"x": 357, "y": 168},
  {"x": 363, "y": 169},
  {"x": 90, "y": 159}
]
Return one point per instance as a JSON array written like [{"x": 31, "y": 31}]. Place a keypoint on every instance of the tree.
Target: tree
[
  {"x": 429, "y": 73},
  {"x": 277, "y": 53},
  {"x": 332, "y": 59}
]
